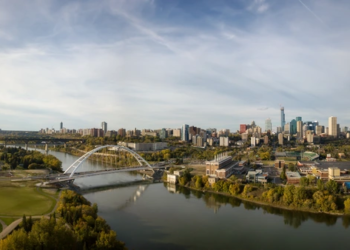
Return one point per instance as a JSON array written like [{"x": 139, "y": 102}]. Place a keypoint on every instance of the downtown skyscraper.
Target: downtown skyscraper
[
  {"x": 283, "y": 118},
  {"x": 104, "y": 127},
  {"x": 268, "y": 125},
  {"x": 185, "y": 132},
  {"x": 332, "y": 126}
]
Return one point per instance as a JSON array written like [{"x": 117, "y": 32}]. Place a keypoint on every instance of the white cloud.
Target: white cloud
[
  {"x": 259, "y": 6},
  {"x": 122, "y": 62}
]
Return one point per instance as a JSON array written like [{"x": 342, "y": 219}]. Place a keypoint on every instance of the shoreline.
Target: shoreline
[{"x": 263, "y": 203}]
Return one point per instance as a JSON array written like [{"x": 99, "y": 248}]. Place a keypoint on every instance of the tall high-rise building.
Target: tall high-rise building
[
  {"x": 293, "y": 127},
  {"x": 194, "y": 130},
  {"x": 338, "y": 129},
  {"x": 268, "y": 125},
  {"x": 280, "y": 139},
  {"x": 309, "y": 136},
  {"x": 163, "y": 134},
  {"x": 242, "y": 128},
  {"x": 283, "y": 118},
  {"x": 185, "y": 132},
  {"x": 104, "y": 127},
  {"x": 332, "y": 126},
  {"x": 61, "y": 125},
  {"x": 279, "y": 130},
  {"x": 266, "y": 139},
  {"x": 122, "y": 132},
  {"x": 300, "y": 129},
  {"x": 298, "y": 118},
  {"x": 319, "y": 130}
]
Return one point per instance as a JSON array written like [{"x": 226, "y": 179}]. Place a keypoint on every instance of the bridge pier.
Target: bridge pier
[
  {"x": 46, "y": 148},
  {"x": 65, "y": 145},
  {"x": 26, "y": 146}
]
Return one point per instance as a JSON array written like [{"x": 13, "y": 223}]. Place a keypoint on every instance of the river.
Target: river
[{"x": 158, "y": 216}]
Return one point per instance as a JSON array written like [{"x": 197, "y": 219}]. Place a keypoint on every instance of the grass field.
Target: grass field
[
  {"x": 0, "y": 228},
  {"x": 8, "y": 221},
  {"x": 16, "y": 201}
]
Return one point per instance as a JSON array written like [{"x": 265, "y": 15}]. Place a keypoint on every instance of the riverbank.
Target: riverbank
[{"x": 265, "y": 203}]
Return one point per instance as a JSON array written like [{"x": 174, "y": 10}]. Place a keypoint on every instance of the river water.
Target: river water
[{"x": 158, "y": 216}]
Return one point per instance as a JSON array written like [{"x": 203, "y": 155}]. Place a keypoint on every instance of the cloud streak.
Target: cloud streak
[
  {"x": 312, "y": 12},
  {"x": 164, "y": 63}
]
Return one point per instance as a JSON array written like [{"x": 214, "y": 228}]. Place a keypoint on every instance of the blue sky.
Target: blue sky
[{"x": 154, "y": 64}]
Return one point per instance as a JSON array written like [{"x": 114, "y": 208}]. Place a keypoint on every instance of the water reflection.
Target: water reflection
[
  {"x": 133, "y": 198},
  {"x": 291, "y": 217}
]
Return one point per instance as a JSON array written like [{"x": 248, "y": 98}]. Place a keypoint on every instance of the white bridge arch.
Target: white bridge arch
[{"x": 82, "y": 159}]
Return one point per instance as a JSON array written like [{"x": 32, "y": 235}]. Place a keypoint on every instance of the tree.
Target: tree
[
  {"x": 347, "y": 206},
  {"x": 332, "y": 186},
  {"x": 235, "y": 189},
  {"x": 299, "y": 196},
  {"x": 304, "y": 181},
  {"x": 247, "y": 189},
  {"x": 108, "y": 241},
  {"x": 283, "y": 174},
  {"x": 320, "y": 185},
  {"x": 312, "y": 179},
  {"x": 288, "y": 194},
  {"x": 218, "y": 186},
  {"x": 291, "y": 167},
  {"x": 199, "y": 183}
]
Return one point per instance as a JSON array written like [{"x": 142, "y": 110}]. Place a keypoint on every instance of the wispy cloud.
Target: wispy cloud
[
  {"x": 259, "y": 6},
  {"x": 162, "y": 63},
  {"x": 312, "y": 12}
]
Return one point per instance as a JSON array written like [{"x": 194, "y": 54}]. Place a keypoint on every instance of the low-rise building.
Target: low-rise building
[
  {"x": 257, "y": 176},
  {"x": 279, "y": 164},
  {"x": 154, "y": 146},
  {"x": 293, "y": 177},
  {"x": 171, "y": 178},
  {"x": 222, "y": 166}
]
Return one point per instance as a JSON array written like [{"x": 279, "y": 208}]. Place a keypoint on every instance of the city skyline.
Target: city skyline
[
  {"x": 267, "y": 123},
  {"x": 154, "y": 64}
]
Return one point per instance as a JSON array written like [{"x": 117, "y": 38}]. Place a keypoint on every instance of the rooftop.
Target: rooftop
[
  {"x": 292, "y": 175},
  {"x": 342, "y": 165}
]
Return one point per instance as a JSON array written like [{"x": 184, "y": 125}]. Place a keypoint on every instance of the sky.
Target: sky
[{"x": 163, "y": 63}]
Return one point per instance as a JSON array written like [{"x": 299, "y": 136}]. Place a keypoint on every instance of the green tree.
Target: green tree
[
  {"x": 320, "y": 185},
  {"x": 235, "y": 189},
  {"x": 304, "y": 181},
  {"x": 332, "y": 186},
  {"x": 288, "y": 195},
  {"x": 218, "y": 186},
  {"x": 347, "y": 206},
  {"x": 291, "y": 167}
]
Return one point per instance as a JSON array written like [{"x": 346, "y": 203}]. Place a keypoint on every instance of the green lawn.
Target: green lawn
[
  {"x": 0, "y": 227},
  {"x": 16, "y": 201},
  {"x": 8, "y": 221}
]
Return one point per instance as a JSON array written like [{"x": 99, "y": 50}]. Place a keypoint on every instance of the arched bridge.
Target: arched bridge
[{"x": 77, "y": 164}]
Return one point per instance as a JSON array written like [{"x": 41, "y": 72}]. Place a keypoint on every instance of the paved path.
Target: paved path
[
  {"x": 14, "y": 224},
  {"x": 8, "y": 229}
]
